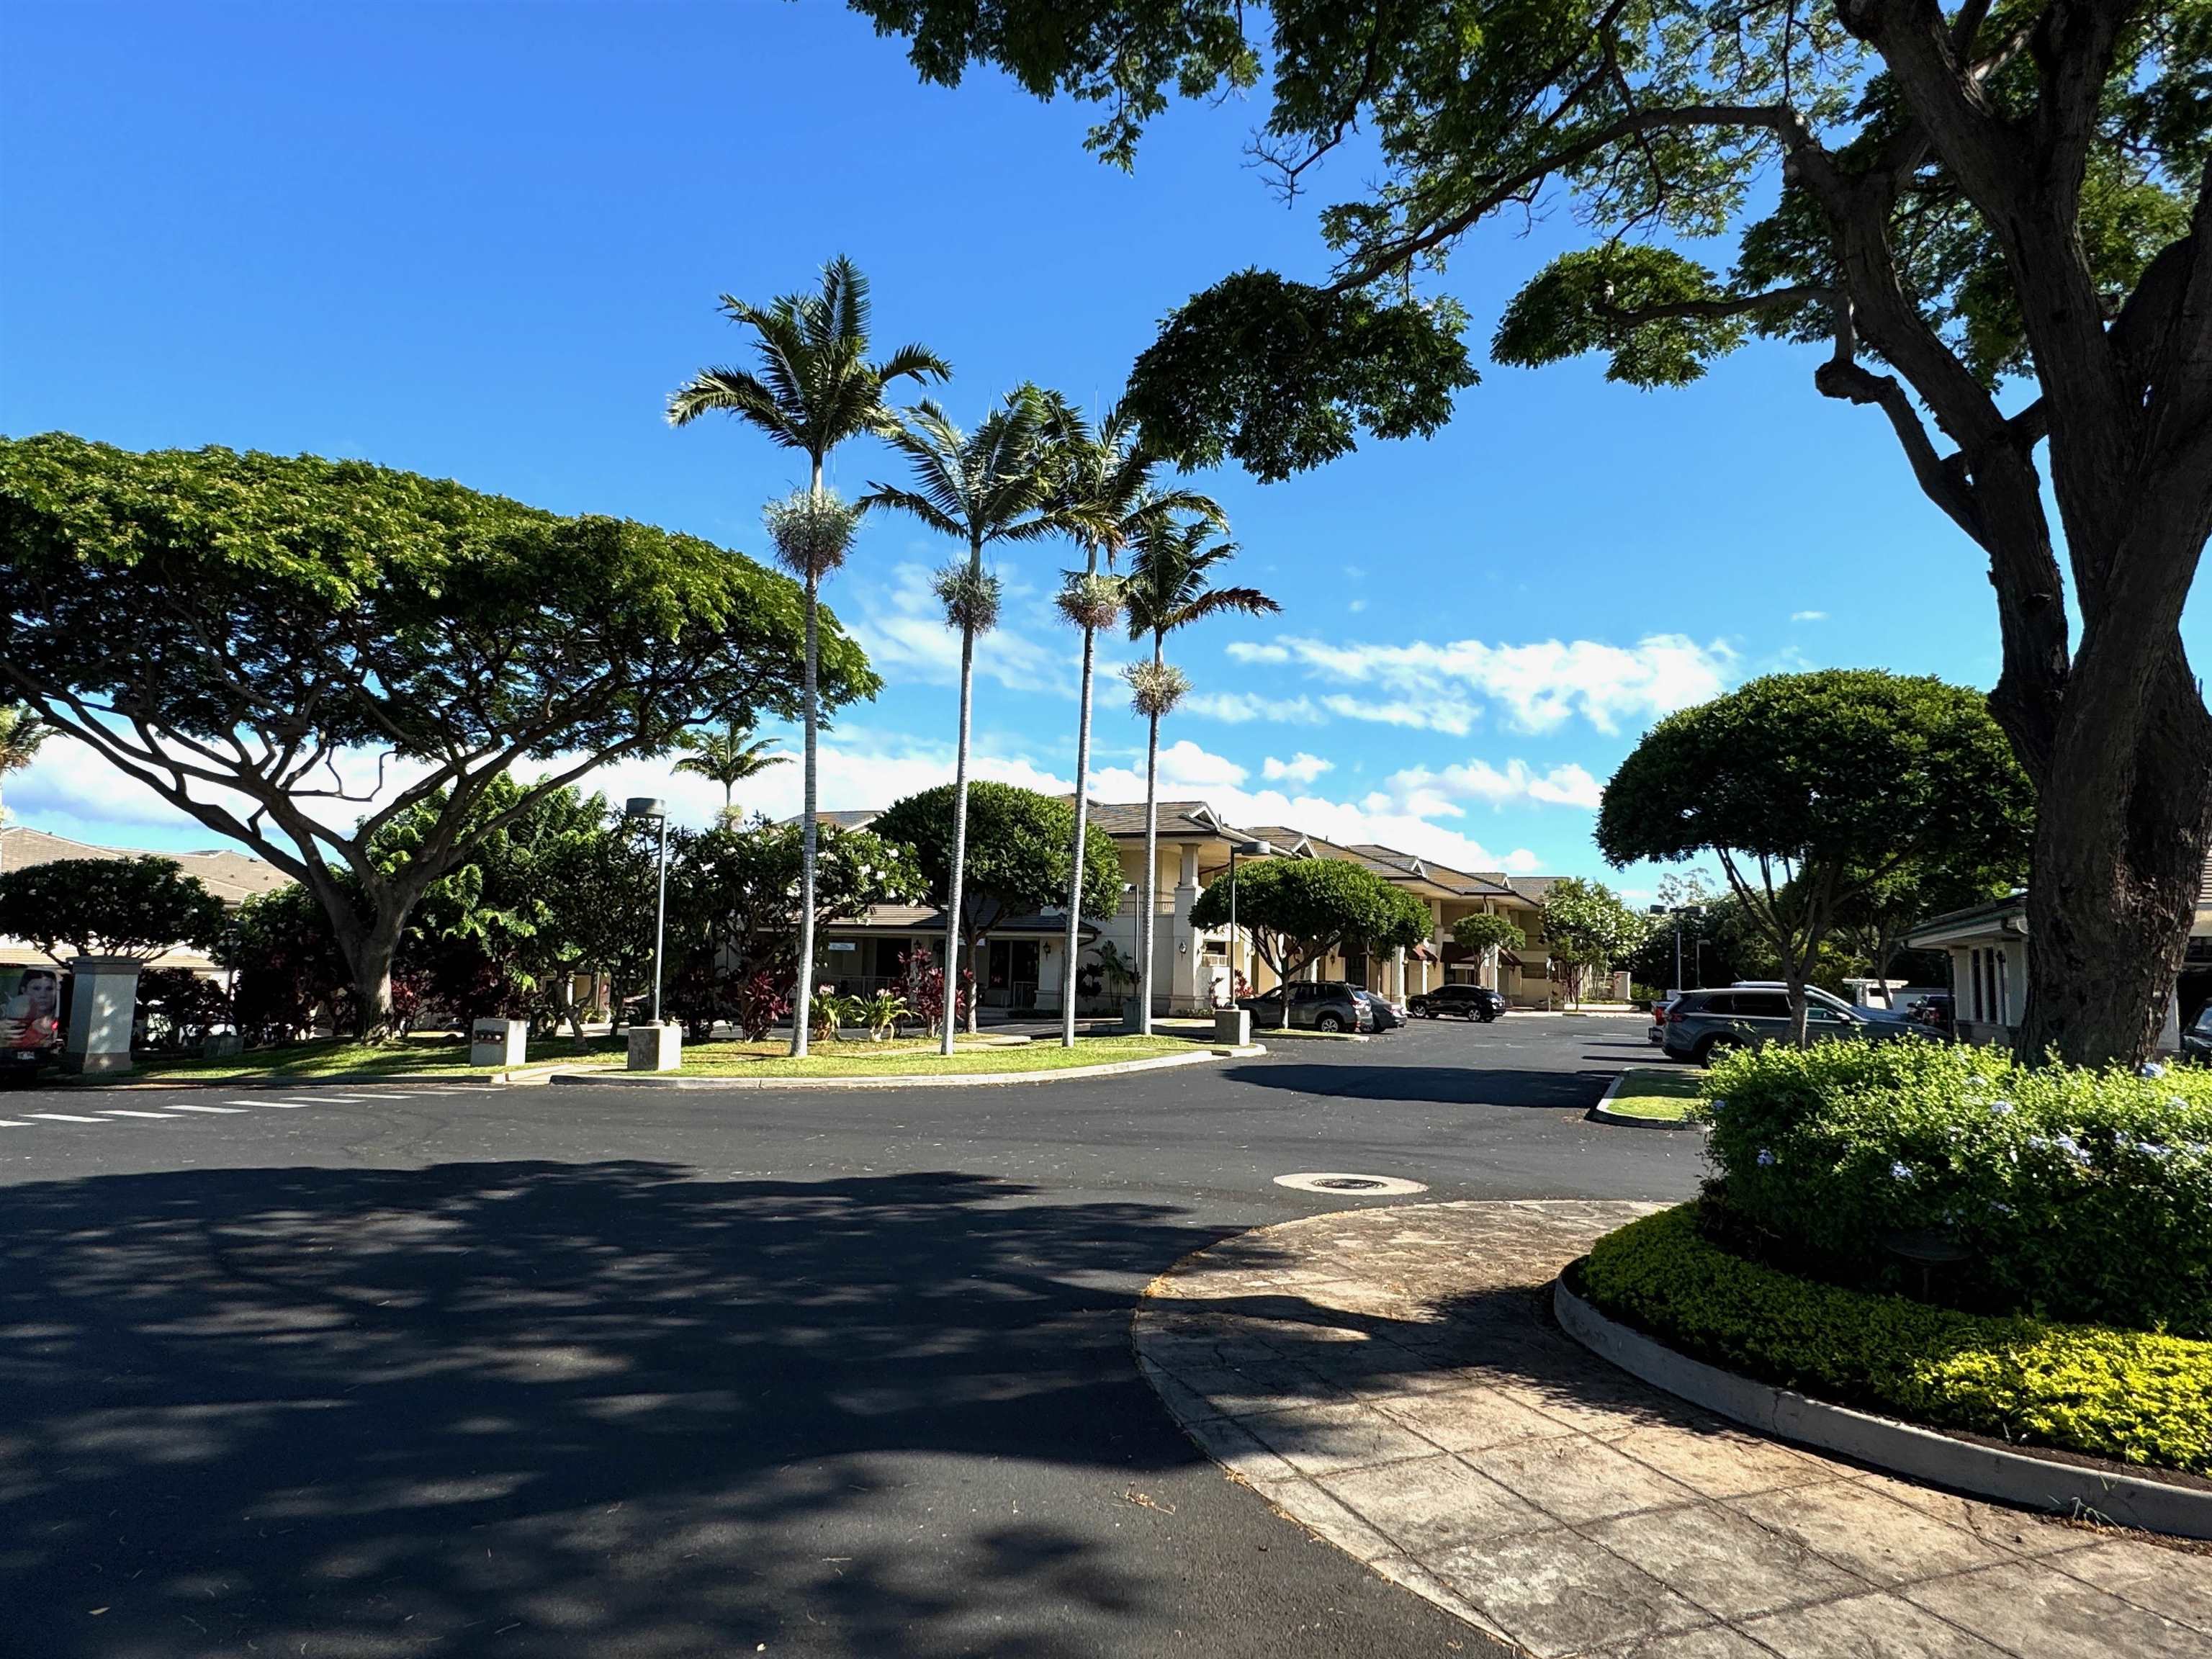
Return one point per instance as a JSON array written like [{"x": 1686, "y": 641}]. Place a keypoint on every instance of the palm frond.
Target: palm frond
[{"x": 917, "y": 505}]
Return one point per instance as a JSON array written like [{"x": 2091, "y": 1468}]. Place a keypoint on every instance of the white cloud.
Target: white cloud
[
  {"x": 1795, "y": 616},
  {"x": 903, "y": 630},
  {"x": 1247, "y": 651},
  {"x": 1241, "y": 708},
  {"x": 1539, "y": 685},
  {"x": 1301, "y": 768},
  {"x": 1518, "y": 784}
]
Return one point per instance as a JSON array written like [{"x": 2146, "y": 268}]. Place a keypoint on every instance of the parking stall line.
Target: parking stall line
[
  {"x": 62, "y": 1117},
  {"x": 124, "y": 1111},
  {"x": 227, "y": 1110},
  {"x": 288, "y": 1105}
]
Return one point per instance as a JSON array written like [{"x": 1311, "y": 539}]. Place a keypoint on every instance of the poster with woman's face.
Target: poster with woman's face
[{"x": 31, "y": 1010}]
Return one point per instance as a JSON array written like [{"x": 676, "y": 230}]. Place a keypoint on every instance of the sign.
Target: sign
[{"x": 843, "y": 944}]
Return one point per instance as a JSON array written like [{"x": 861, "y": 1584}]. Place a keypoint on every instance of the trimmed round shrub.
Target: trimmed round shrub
[
  {"x": 2130, "y": 1395},
  {"x": 2073, "y": 1194}
]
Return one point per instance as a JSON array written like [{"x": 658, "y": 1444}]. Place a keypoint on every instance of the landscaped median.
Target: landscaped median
[
  {"x": 340, "y": 1060},
  {"x": 916, "y": 1061},
  {"x": 1906, "y": 1242},
  {"x": 1652, "y": 1097}
]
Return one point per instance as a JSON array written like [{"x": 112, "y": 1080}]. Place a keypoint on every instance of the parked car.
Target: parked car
[
  {"x": 1657, "y": 1033},
  {"x": 1702, "y": 1023},
  {"x": 1387, "y": 1015},
  {"x": 1328, "y": 1005},
  {"x": 1457, "y": 1002},
  {"x": 31, "y": 1014},
  {"x": 2196, "y": 1039}
]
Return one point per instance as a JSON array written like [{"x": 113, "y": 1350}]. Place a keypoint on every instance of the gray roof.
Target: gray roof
[
  {"x": 231, "y": 877},
  {"x": 850, "y": 818}
]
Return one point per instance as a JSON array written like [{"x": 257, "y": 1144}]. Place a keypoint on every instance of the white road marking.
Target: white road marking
[
  {"x": 288, "y": 1105},
  {"x": 10, "y": 1123},
  {"x": 61, "y": 1117},
  {"x": 124, "y": 1111},
  {"x": 181, "y": 1107}
]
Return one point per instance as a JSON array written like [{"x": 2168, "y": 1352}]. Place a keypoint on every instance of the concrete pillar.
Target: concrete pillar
[
  {"x": 1184, "y": 958},
  {"x": 103, "y": 998},
  {"x": 1398, "y": 975}
]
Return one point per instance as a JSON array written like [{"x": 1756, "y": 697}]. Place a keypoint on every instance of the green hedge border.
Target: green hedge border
[{"x": 2133, "y": 1396}]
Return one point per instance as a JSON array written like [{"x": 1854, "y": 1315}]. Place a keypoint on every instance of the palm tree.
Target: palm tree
[
  {"x": 1167, "y": 591},
  {"x": 21, "y": 732},
  {"x": 992, "y": 485},
  {"x": 815, "y": 389},
  {"x": 729, "y": 758},
  {"x": 1105, "y": 493}
]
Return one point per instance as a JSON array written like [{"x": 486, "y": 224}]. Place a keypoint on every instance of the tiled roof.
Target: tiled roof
[
  {"x": 848, "y": 819},
  {"x": 231, "y": 877}
]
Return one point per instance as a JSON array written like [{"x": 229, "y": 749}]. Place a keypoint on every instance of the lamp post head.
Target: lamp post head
[
  {"x": 644, "y": 806},
  {"x": 1252, "y": 849}
]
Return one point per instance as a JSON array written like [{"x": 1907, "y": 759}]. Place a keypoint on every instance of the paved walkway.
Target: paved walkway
[{"x": 1392, "y": 1379}]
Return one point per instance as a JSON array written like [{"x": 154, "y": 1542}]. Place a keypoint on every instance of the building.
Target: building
[
  {"x": 1987, "y": 945},
  {"x": 234, "y": 878},
  {"x": 1018, "y": 967}
]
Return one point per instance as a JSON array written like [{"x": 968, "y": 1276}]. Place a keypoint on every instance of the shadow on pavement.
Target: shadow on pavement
[
  {"x": 606, "y": 1408},
  {"x": 1470, "y": 1085}
]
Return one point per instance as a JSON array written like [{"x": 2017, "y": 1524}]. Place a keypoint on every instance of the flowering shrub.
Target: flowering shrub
[
  {"x": 763, "y": 1002},
  {"x": 2073, "y": 1195}
]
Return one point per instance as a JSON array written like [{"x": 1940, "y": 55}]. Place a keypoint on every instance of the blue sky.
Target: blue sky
[{"x": 484, "y": 241}]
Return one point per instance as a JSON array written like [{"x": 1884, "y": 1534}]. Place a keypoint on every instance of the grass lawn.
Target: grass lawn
[
  {"x": 440, "y": 1055},
  {"x": 1646, "y": 1091},
  {"x": 912, "y": 1056}
]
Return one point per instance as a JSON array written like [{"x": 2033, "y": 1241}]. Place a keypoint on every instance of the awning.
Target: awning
[{"x": 1421, "y": 953}]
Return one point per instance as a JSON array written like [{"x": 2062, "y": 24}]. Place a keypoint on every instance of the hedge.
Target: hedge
[
  {"x": 2134, "y": 1396},
  {"x": 2073, "y": 1195}
]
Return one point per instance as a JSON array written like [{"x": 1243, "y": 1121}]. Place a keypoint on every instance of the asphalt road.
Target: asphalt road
[{"x": 428, "y": 1370}]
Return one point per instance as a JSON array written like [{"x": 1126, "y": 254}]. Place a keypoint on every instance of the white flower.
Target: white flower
[
  {"x": 1900, "y": 1172},
  {"x": 2152, "y": 1069}
]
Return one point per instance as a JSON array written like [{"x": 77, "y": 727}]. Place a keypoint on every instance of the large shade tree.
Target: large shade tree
[
  {"x": 1171, "y": 586},
  {"x": 1812, "y": 790},
  {"x": 1106, "y": 494},
  {"x": 987, "y": 488},
  {"x": 1298, "y": 910},
  {"x": 22, "y": 734},
  {"x": 1993, "y": 219},
  {"x": 814, "y": 387},
  {"x": 1018, "y": 859},
  {"x": 298, "y": 652}
]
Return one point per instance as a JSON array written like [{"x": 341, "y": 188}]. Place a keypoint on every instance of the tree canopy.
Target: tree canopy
[
  {"x": 1814, "y": 789},
  {"x": 1483, "y": 931},
  {"x": 1586, "y": 926},
  {"x": 1298, "y": 910},
  {"x": 276, "y": 644},
  {"x": 1018, "y": 843},
  {"x": 108, "y": 908}
]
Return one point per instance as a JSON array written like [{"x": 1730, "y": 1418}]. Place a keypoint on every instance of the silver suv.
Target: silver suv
[{"x": 1702, "y": 1023}]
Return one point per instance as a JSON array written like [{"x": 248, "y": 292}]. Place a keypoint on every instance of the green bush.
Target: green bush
[
  {"x": 2130, "y": 1395},
  {"x": 2083, "y": 1196}
]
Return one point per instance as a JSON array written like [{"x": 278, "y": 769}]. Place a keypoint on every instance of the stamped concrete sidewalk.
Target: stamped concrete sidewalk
[{"x": 1392, "y": 1379}]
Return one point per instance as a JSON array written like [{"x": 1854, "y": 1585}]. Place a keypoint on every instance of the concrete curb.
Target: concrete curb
[
  {"x": 926, "y": 1081},
  {"x": 1599, "y": 1114},
  {"x": 1904, "y": 1448}
]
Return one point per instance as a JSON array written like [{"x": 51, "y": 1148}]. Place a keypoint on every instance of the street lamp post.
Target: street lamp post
[
  {"x": 645, "y": 807},
  {"x": 1678, "y": 912},
  {"x": 1250, "y": 849}
]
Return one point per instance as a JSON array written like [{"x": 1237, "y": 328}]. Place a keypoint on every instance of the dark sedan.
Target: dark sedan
[{"x": 1457, "y": 1002}]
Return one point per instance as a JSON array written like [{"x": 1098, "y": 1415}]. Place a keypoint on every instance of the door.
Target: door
[{"x": 1013, "y": 978}]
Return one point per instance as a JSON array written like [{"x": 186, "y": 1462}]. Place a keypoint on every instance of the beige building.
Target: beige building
[{"x": 232, "y": 877}]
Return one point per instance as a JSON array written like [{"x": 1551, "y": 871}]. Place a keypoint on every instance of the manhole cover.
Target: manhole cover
[{"x": 1334, "y": 1181}]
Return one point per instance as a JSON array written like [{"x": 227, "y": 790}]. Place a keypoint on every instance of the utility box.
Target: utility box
[
  {"x": 499, "y": 1041},
  {"x": 1233, "y": 1026},
  {"x": 656, "y": 1048},
  {"x": 103, "y": 999}
]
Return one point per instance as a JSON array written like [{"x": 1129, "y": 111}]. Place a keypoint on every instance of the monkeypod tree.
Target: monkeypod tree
[
  {"x": 1587, "y": 925},
  {"x": 297, "y": 652},
  {"x": 1298, "y": 910},
  {"x": 1813, "y": 789},
  {"x": 1017, "y": 860},
  {"x": 1993, "y": 219},
  {"x": 130, "y": 908}
]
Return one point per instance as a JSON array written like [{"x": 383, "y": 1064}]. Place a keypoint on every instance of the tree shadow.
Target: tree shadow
[
  {"x": 580, "y": 1409},
  {"x": 1466, "y": 1085}
]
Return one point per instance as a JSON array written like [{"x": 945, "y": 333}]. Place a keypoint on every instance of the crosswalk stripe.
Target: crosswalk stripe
[
  {"x": 181, "y": 1107},
  {"x": 288, "y": 1105},
  {"x": 124, "y": 1111},
  {"x": 61, "y": 1117},
  {"x": 10, "y": 1123}
]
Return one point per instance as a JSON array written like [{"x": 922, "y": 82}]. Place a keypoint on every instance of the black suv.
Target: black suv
[{"x": 1459, "y": 1002}]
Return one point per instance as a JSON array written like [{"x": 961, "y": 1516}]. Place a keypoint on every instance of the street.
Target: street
[{"x": 449, "y": 1370}]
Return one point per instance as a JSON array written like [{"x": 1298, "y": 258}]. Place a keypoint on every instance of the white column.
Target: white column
[
  {"x": 103, "y": 998},
  {"x": 1183, "y": 964},
  {"x": 1398, "y": 975}
]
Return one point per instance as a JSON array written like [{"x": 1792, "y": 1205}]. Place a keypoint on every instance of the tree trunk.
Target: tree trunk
[
  {"x": 2122, "y": 829},
  {"x": 369, "y": 954},
  {"x": 802, "y": 999},
  {"x": 1793, "y": 978},
  {"x": 1075, "y": 871},
  {"x": 959, "y": 836},
  {"x": 1147, "y": 915}
]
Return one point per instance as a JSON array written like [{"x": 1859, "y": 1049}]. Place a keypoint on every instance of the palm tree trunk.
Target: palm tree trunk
[
  {"x": 1075, "y": 860},
  {"x": 802, "y": 999},
  {"x": 959, "y": 829},
  {"x": 1148, "y": 916}
]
